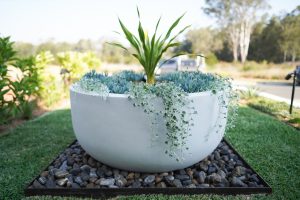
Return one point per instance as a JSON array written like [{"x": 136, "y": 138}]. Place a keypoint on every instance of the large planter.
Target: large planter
[{"x": 118, "y": 134}]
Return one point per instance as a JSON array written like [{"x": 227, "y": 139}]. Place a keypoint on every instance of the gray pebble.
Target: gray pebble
[
  {"x": 177, "y": 183},
  {"x": 107, "y": 182},
  {"x": 42, "y": 180},
  {"x": 64, "y": 166},
  {"x": 182, "y": 177},
  {"x": 60, "y": 174},
  {"x": 149, "y": 179},
  {"x": 237, "y": 182},
  {"x": 136, "y": 184},
  {"x": 62, "y": 182},
  {"x": 37, "y": 184}
]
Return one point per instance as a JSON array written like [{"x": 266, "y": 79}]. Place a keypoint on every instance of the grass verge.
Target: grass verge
[
  {"x": 279, "y": 110},
  {"x": 270, "y": 146}
]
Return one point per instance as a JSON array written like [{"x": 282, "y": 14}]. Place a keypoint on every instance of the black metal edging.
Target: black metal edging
[{"x": 112, "y": 192}]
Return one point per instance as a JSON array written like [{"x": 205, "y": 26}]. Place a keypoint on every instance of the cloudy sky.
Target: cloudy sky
[{"x": 70, "y": 20}]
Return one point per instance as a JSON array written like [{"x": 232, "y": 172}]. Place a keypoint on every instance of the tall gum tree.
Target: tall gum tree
[{"x": 237, "y": 17}]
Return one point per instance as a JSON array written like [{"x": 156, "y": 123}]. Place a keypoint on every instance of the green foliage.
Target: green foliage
[
  {"x": 51, "y": 87},
  {"x": 75, "y": 64},
  {"x": 148, "y": 51},
  {"x": 205, "y": 40},
  {"x": 251, "y": 92},
  {"x": 24, "y": 49},
  {"x": 176, "y": 117},
  {"x": 130, "y": 75},
  {"x": 211, "y": 60},
  {"x": 190, "y": 82},
  {"x": 16, "y": 92},
  {"x": 28, "y": 85},
  {"x": 277, "y": 40},
  {"x": 6, "y": 58},
  {"x": 197, "y": 81},
  {"x": 278, "y": 109},
  {"x": 27, "y": 108},
  {"x": 266, "y": 39},
  {"x": 290, "y": 43},
  {"x": 118, "y": 83},
  {"x": 92, "y": 86}
]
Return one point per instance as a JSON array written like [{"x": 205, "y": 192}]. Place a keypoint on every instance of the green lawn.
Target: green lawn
[{"x": 270, "y": 146}]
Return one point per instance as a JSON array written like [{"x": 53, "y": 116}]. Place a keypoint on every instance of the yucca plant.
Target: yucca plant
[{"x": 148, "y": 50}]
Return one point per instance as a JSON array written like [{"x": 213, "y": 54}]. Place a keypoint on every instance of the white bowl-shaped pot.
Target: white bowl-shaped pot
[{"x": 120, "y": 135}]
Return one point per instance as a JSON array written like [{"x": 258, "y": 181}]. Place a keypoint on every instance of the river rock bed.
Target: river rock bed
[{"x": 74, "y": 168}]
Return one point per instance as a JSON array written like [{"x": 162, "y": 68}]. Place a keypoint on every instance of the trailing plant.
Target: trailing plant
[
  {"x": 130, "y": 76},
  {"x": 149, "y": 50},
  {"x": 93, "y": 86},
  {"x": 177, "y": 119},
  {"x": 118, "y": 83},
  {"x": 200, "y": 82}
]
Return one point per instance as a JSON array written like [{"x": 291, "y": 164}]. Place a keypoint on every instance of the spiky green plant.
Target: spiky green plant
[{"x": 148, "y": 50}]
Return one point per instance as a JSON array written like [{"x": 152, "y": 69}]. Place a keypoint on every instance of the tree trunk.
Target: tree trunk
[
  {"x": 245, "y": 32},
  {"x": 235, "y": 52},
  {"x": 294, "y": 56},
  {"x": 284, "y": 56},
  {"x": 234, "y": 38}
]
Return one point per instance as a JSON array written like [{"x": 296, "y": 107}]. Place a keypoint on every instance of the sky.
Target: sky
[{"x": 37, "y": 21}]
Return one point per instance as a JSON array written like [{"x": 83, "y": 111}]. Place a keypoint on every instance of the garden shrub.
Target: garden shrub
[
  {"x": 75, "y": 64},
  {"x": 17, "y": 94},
  {"x": 6, "y": 58},
  {"x": 211, "y": 59},
  {"x": 51, "y": 89},
  {"x": 26, "y": 88}
]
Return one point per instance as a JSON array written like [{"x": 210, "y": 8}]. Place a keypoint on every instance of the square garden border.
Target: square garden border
[{"x": 112, "y": 192}]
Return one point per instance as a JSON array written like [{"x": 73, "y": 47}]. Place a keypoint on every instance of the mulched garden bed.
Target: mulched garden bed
[{"x": 75, "y": 173}]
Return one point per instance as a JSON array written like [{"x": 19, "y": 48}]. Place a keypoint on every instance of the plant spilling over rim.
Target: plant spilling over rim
[
  {"x": 172, "y": 89},
  {"x": 148, "y": 50}
]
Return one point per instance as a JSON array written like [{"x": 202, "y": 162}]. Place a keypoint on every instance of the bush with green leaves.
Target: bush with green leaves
[
  {"x": 51, "y": 88},
  {"x": 26, "y": 88},
  {"x": 6, "y": 58},
  {"x": 211, "y": 60},
  {"x": 16, "y": 93},
  {"x": 75, "y": 64}
]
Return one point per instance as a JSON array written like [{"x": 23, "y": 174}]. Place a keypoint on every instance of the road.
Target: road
[{"x": 282, "y": 89}]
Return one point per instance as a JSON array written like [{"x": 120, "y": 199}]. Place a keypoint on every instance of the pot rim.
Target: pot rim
[{"x": 193, "y": 94}]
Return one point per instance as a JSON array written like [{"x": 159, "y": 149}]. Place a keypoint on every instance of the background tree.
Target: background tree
[
  {"x": 290, "y": 35},
  {"x": 237, "y": 17},
  {"x": 266, "y": 41},
  {"x": 204, "y": 40}
]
